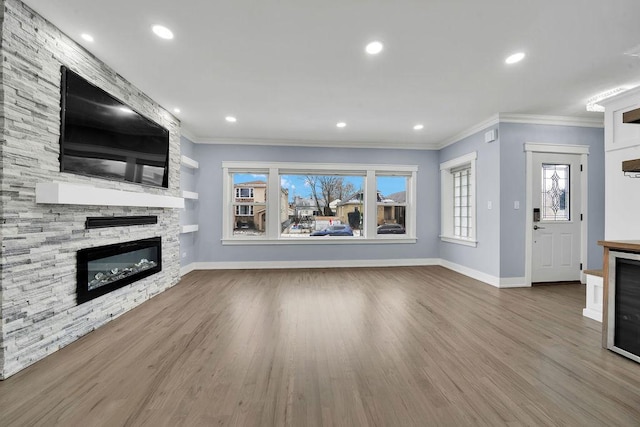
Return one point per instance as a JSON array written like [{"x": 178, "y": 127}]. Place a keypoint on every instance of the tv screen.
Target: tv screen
[{"x": 101, "y": 136}]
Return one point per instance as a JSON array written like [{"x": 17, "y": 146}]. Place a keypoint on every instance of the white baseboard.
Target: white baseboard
[
  {"x": 187, "y": 269},
  {"x": 592, "y": 314},
  {"x": 256, "y": 265},
  {"x": 498, "y": 282},
  {"x": 513, "y": 282}
]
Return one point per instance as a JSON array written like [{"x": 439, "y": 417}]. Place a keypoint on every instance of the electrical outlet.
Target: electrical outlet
[{"x": 184, "y": 254}]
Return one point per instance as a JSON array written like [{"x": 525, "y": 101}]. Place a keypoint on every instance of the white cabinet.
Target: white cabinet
[{"x": 593, "y": 309}]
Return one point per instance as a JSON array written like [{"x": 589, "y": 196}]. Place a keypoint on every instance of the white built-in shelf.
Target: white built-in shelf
[
  {"x": 188, "y": 162},
  {"x": 62, "y": 193},
  {"x": 191, "y": 228},
  {"x": 190, "y": 195}
]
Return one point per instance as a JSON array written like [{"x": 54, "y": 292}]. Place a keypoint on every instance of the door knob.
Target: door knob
[{"x": 535, "y": 227}]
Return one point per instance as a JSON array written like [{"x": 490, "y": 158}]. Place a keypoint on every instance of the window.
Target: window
[
  {"x": 462, "y": 202},
  {"x": 244, "y": 210},
  {"x": 244, "y": 192},
  {"x": 318, "y": 203},
  {"x": 391, "y": 204},
  {"x": 458, "y": 213},
  {"x": 249, "y": 207}
]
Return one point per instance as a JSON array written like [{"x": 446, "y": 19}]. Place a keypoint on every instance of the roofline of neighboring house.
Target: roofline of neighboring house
[{"x": 252, "y": 184}]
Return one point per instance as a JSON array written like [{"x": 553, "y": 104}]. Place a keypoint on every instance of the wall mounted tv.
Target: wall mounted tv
[{"x": 101, "y": 136}]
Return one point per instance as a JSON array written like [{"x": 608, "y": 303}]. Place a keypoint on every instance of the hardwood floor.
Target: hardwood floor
[{"x": 345, "y": 347}]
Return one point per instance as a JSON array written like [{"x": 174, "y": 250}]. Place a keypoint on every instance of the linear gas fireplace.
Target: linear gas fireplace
[{"x": 107, "y": 268}]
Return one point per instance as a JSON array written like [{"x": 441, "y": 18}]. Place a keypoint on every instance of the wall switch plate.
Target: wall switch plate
[
  {"x": 516, "y": 205},
  {"x": 184, "y": 254},
  {"x": 489, "y": 205}
]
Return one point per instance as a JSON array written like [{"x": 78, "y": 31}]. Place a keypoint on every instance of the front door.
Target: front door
[{"x": 556, "y": 219}]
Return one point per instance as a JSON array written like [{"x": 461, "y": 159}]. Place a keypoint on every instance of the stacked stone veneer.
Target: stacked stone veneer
[{"x": 39, "y": 242}]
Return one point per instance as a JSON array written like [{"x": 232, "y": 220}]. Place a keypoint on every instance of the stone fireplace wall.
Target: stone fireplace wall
[{"x": 39, "y": 242}]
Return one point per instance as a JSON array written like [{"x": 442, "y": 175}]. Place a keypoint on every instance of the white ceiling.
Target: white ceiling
[{"x": 290, "y": 70}]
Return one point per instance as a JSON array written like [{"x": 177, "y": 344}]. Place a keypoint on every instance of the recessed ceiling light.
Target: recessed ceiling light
[
  {"x": 127, "y": 110},
  {"x": 341, "y": 124},
  {"x": 418, "y": 127},
  {"x": 176, "y": 110},
  {"x": 374, "y": 48},
  {"x": 231, "y": 119},
  {"x": 516, "y": 57},
  {"x": 162, "y": 32},
  {"x": 87, "y": 37}
]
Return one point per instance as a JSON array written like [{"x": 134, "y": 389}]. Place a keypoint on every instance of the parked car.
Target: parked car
[
  {"x": 391, "y": 229},
  {"x": 334, "y": 230}
]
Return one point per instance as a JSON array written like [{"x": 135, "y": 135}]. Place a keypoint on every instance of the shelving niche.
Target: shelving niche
[{"x": 190, "y": 195}]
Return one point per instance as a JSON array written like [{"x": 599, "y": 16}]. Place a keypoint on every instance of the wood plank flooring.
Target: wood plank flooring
[{"x": 406, "y": 346}]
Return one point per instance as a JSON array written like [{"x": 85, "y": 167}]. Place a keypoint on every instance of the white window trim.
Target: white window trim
[
  {"x": 446, "y": 194},
  {"x": 275, "y": 169}
]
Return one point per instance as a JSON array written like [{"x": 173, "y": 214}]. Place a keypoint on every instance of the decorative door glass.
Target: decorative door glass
[{"x": 555, "y": 192}]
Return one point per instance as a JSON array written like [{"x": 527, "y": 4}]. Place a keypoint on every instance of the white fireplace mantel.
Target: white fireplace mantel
[{"x": 62, "y": 193}]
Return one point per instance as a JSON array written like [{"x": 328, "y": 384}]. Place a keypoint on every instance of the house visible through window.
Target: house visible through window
[
  {"x": 321, "y": 201},
  {"x": 249, "y": 204},
  {"x": 458, "y": 204},
  {"x": 391, "y": 204}
]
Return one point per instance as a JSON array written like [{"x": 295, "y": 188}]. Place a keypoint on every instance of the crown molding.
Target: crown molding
[
  {"x": 630, "y": 92},
  {"x": 324, "y": 144},
  {"x": 491, "y": 121},
  {"x": 535, "y": 119}
]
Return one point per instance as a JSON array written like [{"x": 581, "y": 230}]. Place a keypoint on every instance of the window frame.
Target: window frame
[
  {"x": 447, "y": 210},
  {"x": 274, "y": 171}
]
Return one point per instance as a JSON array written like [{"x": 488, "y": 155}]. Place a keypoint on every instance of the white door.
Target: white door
[{"x": 556, "y": 202}]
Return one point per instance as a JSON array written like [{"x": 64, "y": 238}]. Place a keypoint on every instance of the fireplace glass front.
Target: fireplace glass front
[{"x": 107, "y": 268}]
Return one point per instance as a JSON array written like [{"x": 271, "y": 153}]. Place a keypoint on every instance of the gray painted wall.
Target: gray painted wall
[
  {"x": 209, "y": 186},
  {"x": 486, "y": 256},
  {"x": 188, "y": 215},
  {"x": 512, "y": 163},
  {"x": 500, "y": 178}
]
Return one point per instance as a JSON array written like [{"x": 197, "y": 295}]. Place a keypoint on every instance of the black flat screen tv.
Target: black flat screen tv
[{"x": 101, "y": 136}]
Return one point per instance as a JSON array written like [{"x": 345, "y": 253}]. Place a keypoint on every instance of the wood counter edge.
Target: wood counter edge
[{"x": 625, "y": 245}]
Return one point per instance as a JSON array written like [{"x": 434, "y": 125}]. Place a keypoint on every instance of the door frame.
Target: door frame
[{"x": 536, "y": 147}]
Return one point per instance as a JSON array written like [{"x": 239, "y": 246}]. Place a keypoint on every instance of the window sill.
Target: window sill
[
  {"x": 459, "y": 241},
  {"x": 320, "y": 240}
]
